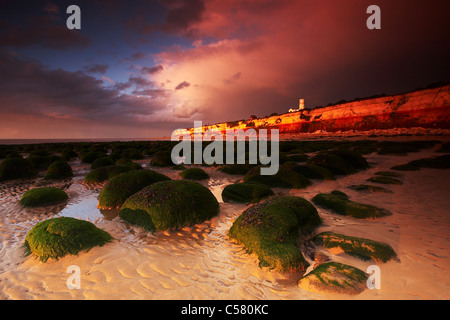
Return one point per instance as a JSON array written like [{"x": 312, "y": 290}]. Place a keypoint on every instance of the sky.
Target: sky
[{"x": 143, "y": 68}]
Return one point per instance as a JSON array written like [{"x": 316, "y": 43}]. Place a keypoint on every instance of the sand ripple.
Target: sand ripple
[{"x": 201, "y": 262}]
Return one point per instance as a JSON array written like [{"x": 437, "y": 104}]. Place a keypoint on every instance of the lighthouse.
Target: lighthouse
[{"x": 301, "y": 104}]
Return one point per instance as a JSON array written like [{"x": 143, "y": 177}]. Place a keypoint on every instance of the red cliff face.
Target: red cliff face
[
  {"x": 428, "y": 108},
  {"x": 425, "y": 108}
]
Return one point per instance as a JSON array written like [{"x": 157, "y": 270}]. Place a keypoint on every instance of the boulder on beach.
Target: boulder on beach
[
  {"x": 170, "y": 205},
  {"x": 340, "y": 203},
  {"x": 162, "y": 159},
  {"x": 364, "y": 249},
  {"x": 105, "y": 173},
  {"x": 59, "y": 170},
  {"x": 286, "y": 177},
  {"x": 340, "y": 162},
  {"x": 246, "y": 192},
  {"x": 369, "y": 187},
  {"x": 41, "y": 197},
  {"x": 123, "y": 185},
  {"x": 54, "y": 238},
  {"x": 270, "y": 230},
  {"x": 16, "y": 168},
  {"x": 102, "y": 162},
  {"x": 194, "y": 174},
  {"x": 314, "y": 172},
  {"x": 384, "y": 180},
  {"x": 239, "y": 169},
  {"x": 439, "y": 162},
  {"x": 334, "y": 277}
]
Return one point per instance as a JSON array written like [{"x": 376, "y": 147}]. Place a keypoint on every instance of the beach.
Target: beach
[{"x": 203, "y": 262}]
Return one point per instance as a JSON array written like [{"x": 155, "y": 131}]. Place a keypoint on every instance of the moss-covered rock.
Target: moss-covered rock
[
  {"x": 405, "y": 167},
  {"x": 40, "y": 197},
  {"x": 68, "y": 154},
  {"x": 369, "y": 187},
  {"x": 335, "y": 162},
  {"x": 131, "y": 153},
  {"x": 286, "y": 177},
  {"x": 270, "y": 230},
  {"x": 361, "y": 248},
  {"x": 341, "y": 204},
  {"x": 334, "y": 277},
  {"x": 194, "y": 174},
  {"x": 16, "y": 168},
  {"x": 105, "y": 173},
  {"x": 314, "y": 172},
  {"x": 122, "y": 186},
  {"x": 170, "y": 205},
  {"x": 355, "y": 159},
  {"x": 440, "y": 162},
  {"x": 59, "y": 170},
  {"x": 102, "y": 162},
  {"x": 246, "y": 192},
  {"x": 388, "y": 174},
  {"x": 297, "y": 157},
  {"x": 43, "y": 162},
  {"x": 91, "y": 156},
  {"x": 57, "y": 237},
  {"x": 384, "y": 180},
  {"x": 162, "y": 159},
  {"x": 241, "y": 169}
]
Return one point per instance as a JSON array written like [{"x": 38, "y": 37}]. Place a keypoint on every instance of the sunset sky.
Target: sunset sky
[{"x": 143, "y": 68}]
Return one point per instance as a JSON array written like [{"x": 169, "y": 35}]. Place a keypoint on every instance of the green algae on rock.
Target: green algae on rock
[
  {"x": 123, "y": 185},
  {"x": 286, "y": 177},
  {"x": 194, "y": 174},
  {"x": 365, "y": 249},
  {"x": 57, "y": 237},
  {"x": 270, "y": 230},
  {"x": 161, "y": 159},
  {"x": 334, "y": 277},
  {"x": 105, "y": 173},
  {"x": 16, "y": 168},
  {"x": 246, "y": 192},
  {"x": 339, "y": 203},
  {"x": 41, "y": 197},
  {"x": 170, "y": 205},
  {"x": 339, "y": 162},
  {"x": 384, "y": 180},
  {"x": 369, "y": 187},
  {"x": 59, "y": 170}
]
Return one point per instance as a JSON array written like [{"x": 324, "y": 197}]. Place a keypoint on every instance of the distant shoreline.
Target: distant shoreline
[{"x": 39, "y": 141}]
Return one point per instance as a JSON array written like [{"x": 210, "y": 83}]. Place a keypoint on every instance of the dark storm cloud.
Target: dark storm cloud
[
  {"x": 182, "y": 85},
  {"x": 97, "y": 68},
  {"x": 152, "y": 70},
  {"x": 42, "y": 31},
  {"x": 29, "y": 88},
  {"x": 139, "y": 81},
  {"x": 180, "y": 15}
]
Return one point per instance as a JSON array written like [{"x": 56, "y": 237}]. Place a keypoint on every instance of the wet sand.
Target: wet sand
[{"x": 201, "y": 262}]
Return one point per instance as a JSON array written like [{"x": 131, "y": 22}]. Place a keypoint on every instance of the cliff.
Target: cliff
[{"x": 428, "y": 108}]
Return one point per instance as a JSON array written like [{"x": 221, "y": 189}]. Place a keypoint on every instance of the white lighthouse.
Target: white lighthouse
[{"x": 301, "y": 104}]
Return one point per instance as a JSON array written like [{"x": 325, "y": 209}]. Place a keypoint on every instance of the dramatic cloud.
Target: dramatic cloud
[
  {"x": 182, "y": 85},
  {"x": 97, "y": 68},
  {"x": 161, "y": 64},
  {"x": 319, "y": 51},
  {"x": 42, "y": 31},
  {"x": 152, "y": 70},
  {"x": 30, "y": 91}
]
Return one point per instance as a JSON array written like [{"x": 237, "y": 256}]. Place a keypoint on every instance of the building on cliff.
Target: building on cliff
[{"x": 428, "y": 108}]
